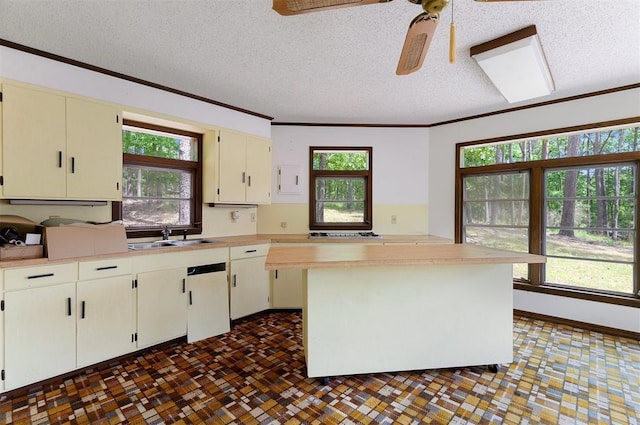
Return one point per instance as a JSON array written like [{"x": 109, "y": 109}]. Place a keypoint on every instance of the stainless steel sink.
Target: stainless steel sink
[
  {"x": 189, "y": 242},
  {"x": 168, "y": 243},
  {"x": 149, "y": 245}
]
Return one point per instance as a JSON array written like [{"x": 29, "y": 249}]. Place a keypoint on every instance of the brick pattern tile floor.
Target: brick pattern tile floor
[{"x": 256, "y": 375}]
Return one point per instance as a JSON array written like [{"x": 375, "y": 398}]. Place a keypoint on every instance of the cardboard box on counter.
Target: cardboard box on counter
[{"x": 85, "y": 240}]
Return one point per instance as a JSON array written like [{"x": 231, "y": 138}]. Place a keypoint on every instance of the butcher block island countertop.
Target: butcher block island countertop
[
  {"x": 350, "y": 255},
  {"x": 383, "y": 308}
]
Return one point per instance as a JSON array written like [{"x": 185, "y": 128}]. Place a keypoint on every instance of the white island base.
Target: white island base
[{"x": 410, "y": 317}]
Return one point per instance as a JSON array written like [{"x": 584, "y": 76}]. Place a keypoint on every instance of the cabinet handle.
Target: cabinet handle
[
  {"x": 244, "y": 175},
  {"x": 249, "y": 251},
  {"x": 190, "y": 297},
  {"x": 249, "y": 182},
  {"x": 59, "y": 159},
  {"x": 82, "y": 310},
  {"x": 276, "y": 274},
  {"x": 234, "y": 280},
  {"x": 73, "y": 165},
  {"x": 184, "y": 286},
  {"x": 38, "y": 276},
  {"x": 106, "y": 268},
  {"x": 296, "y": 180},
  {"x": 69, "y": 306}
]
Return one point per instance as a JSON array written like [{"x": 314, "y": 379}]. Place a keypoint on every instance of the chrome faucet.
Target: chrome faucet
[{"x": 165, "y": 233}]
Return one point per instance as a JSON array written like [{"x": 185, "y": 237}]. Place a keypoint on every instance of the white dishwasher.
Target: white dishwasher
[{"x": 208, "y": 312}]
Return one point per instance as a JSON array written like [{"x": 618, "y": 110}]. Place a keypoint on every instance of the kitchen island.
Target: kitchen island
[{"x": 383, "y": 308}]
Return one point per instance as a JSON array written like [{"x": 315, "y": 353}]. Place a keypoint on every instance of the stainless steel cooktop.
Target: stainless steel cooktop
[{"x": 350, "y": 235}]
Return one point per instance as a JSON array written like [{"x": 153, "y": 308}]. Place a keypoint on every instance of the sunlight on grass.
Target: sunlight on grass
[
  {"x": 590, "y": 274},
  {"x": 579, "y": 272}
]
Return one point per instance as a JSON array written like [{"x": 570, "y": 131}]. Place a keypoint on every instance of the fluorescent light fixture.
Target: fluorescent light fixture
[
  {"x": 56, "y": 202},
  {"x": 516, "y": 65}
]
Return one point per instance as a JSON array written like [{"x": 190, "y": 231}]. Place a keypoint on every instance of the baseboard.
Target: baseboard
[{"x": 577, "y": 324}]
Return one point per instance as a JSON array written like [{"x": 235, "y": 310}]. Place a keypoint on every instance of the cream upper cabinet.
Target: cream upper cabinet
[
  {"x": 243, "y": 169},
  {"x": 232, "y": 178},
  {"x": 33, "y": 143},
  {"x": 94, "y": 150},
  {"x": 258, "y": 170},
  {"x": 58, "y": 147}
]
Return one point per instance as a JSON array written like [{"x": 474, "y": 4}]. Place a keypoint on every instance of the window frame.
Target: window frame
[
  {"x": 537, "y": 204},
  {"x": 367, "y": 224},
  {"x": 195, "y": 228}
]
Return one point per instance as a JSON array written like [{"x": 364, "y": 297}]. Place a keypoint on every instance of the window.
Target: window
[
  {"x": 572, "y": 197},
  {"x": 340, "y": 188},
  {"x": 161, "y": 181},
  {"x": 589, "y": 226},
  {"x": 496, "y": 213}
]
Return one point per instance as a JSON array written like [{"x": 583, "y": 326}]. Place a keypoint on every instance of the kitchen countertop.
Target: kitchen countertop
[
  {"x": 221, "y": 242},
  {"x": 304, "y": 238},
  {"x": 230, "y": 241},
  {"x": 311, "y": 257}
]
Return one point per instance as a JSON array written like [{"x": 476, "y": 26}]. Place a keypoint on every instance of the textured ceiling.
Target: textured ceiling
[{"x": 336, "y": 66}]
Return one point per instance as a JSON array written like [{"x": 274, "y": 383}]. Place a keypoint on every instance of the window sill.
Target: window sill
[{"x": 626, "y": 300}]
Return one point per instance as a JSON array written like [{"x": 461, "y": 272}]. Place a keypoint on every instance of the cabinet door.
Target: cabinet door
[
  {"x": 162, "y": 306},
  {"x": 40, "y": 334},
  {"x": 94, "y": 151},
  {"x": 105, "y": 319},
  {"x": 208, "y": 311},
  {"x": 286, "y": 288},
  {"x": 249, "y": 287},
  {"x": 33, "y": 143},
  {"x": 258, "y": 170},
  {"x": 232, "y": 172}
]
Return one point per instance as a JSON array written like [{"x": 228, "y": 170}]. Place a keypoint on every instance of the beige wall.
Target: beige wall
[{"x": 294, "y": 219}]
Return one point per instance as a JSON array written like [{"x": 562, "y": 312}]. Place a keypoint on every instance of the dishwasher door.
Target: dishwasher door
[{"x": 208, "y": 312}]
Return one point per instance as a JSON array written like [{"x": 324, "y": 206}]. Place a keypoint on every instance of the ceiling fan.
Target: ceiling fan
[{"x": 421, "y": 28}]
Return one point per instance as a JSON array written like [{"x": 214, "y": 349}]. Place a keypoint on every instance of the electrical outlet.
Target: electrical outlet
[
  {"x": 253, "y": 217},
  {"x": 283, "y": 224},
  {"x": 394, "y": 219}
]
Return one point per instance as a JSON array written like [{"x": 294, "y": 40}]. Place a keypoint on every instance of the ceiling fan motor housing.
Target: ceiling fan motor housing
[{"x": 434, "y": 6}]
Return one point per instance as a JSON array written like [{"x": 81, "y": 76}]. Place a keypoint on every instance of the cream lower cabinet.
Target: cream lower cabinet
[
  {"x": 105, "y": 310},
  {"x": 286, "y": 288},
  {"x": 40, "y": 323},
  {"x": 171, "y": 304},
  {"x": 40, "y": 334},
  {"x": 105, "y": 319},
  {"x": 162, "y": 305},
  {"x": 249, "y": 281},
  {"x": 208, "y": 311},
  {"x": 55, "y": 323}
]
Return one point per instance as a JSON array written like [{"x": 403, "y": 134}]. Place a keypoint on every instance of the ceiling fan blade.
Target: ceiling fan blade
[
  {"x": 417, "y": 43},
  {"x": 296, "y": 7}
]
